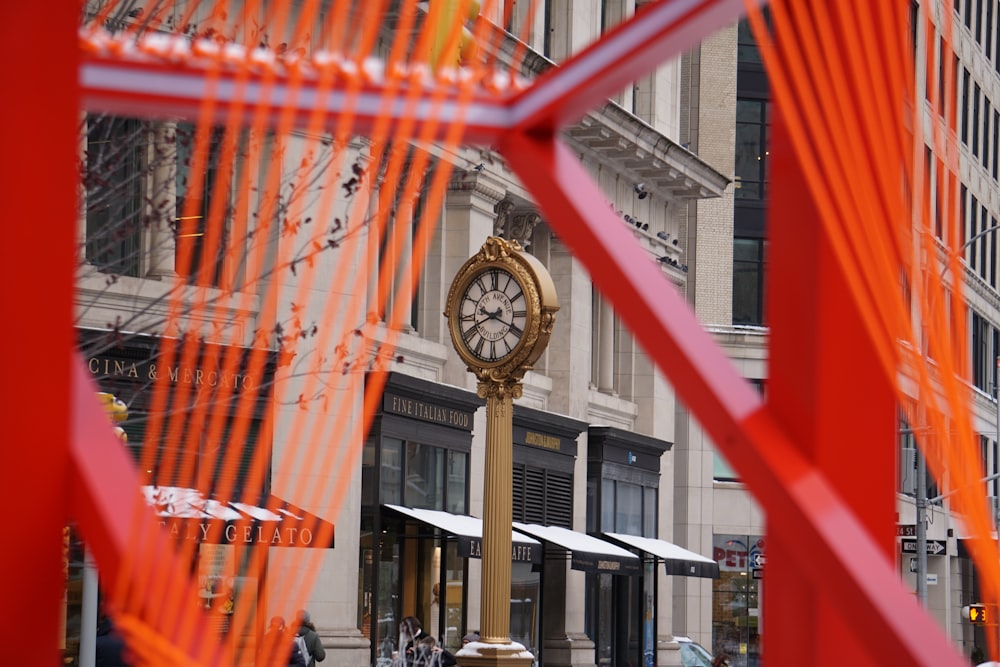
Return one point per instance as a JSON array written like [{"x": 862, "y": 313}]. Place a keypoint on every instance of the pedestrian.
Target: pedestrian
[
  {"x": 411, "y": 631},
  {"x": 310, "y": 638},
  {"x": 429, "y": 654},
  {"x": 275, "y": 644},
  {"x": 109, "y": 648},
  {"x": 470, "y": 637}
]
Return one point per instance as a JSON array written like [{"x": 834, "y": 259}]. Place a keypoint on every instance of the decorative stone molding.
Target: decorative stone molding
[
  {"x": 477, "y": 184},
  {"x": 504, "y": 208},
  {"x": 521, "y": 227}
]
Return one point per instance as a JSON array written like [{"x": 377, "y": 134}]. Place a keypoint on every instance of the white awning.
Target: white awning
[
  {"x": 588, "y": 553},
  {"x": 677, "y": 560},
  {"x": 469, "y": 532},
  {"x": 188, "y": 515}
]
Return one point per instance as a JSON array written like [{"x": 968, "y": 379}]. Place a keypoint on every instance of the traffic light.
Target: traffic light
[{"x": 977, "y": 614}]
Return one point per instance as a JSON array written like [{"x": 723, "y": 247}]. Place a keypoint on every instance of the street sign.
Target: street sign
[
  {"x": 906, "y": 530},
  {"x": 934, "y": 547}
]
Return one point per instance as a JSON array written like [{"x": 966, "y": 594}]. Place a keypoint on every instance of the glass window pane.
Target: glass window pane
[
  {"x": 391, "y": 474},
  {"x": 457, "y": 467},
  {"x": 628, "y": 513},
  {"x": 424, "y": 485},
  {"x": 649, "y": 511},
  {"x": 749, "y": 111},
  {"x": 608, "y": 505}
]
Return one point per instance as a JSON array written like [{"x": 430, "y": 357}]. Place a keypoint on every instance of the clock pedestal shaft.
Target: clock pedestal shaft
[{"x": 495, "y": 647}]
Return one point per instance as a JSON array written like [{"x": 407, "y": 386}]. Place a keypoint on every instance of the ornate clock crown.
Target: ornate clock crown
[{"x": 540, "y": 307}]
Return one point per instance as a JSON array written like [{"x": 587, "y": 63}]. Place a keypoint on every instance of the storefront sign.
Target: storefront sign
[
  {"x": 150, "y": 371},
  {"x": 274, "y": 534},
  {"x": 598, "y": 563},
  {"x": 417, "y": 409},
  {"x": 542, "y": 440},
  {"x": 472, "y": 547},
  {"x": 736, "y": 554}
]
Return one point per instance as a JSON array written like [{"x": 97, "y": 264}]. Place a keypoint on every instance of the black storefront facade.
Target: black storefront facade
[
  {"x": 418, "y": 536},
  {"x": 623, "y": 487},
  {"x": 416, "y": 457}
]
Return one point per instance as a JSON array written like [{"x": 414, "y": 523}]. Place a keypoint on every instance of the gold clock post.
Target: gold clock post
[{"x": 501, "y": 310}]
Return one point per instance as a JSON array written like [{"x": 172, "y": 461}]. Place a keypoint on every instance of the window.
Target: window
[
  {"x": 964, "y": 94},
  {"x": 996, "y": 144},
  {"x": 942, "y": 59},
  {"x": 987, "y": 116},
  {"x": 424, "y": 476},
  {"x": 979, "y": 21},
  {"x": 748, "y": 280},
  {"x": 113, "y": 184},
  {"x": 988, "y": 44},
  {"x": 604, "y": 345},
  {"x": 752, "y": 121},
  {"x": 982, "y": 358},
  {"x": 400, "y": 294},
  {"x": 737, "y": 596},
  {"x": 195, "y": 193},
  {"x": 721, "y": 472},
  {"x": 976, "y": 97}
]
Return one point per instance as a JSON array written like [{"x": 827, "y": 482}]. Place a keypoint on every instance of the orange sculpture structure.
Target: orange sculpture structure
[{"x": 818, "y": 454}]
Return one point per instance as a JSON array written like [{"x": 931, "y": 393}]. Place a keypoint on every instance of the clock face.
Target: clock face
[{"x": 492, "y": 315}]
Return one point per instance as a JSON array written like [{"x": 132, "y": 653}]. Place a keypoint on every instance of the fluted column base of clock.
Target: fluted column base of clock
[{"x": 482, "y": 654}]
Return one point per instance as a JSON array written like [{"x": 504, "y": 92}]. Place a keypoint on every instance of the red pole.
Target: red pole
[
  {"x": 829, "y": 396},
  {"x": 38, "y": 52}
]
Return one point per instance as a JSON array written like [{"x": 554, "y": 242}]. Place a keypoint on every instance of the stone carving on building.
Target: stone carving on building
[{"x": 513, "y": 224}]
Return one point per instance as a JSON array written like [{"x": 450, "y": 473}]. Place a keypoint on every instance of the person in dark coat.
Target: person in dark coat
[
  {"x": 429, "y": 654},
  {"x": 411, "y": 631},
  {"x": 313, "y": 643},
  {"x": 109, "y": 648}
]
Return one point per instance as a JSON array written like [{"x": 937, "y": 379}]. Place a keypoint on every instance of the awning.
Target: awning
[
  {"x": 677, "y": 560},
  {"x": 468, "y": 530},
  {"x": 188, "y": 515},
  {"x": 587, "y": 553}
]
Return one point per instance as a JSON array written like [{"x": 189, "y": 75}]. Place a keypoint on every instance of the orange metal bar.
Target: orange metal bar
[
  {"x": 37, "y": 260},
  {"x": 827, "y": 541}
]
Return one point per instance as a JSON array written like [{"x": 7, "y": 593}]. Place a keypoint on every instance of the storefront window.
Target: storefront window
[
  {"x": 407, "y": 568},
  {"x": 424, "y": 477},
  {"x": 736, "y": 598},
  {"x": 457, "y": 464},
  {"x": 622, "y": 610},
  {"x": 391, "y": 471},
  {"x": 628, "y": 509},
  {"x": 524, "y": 606}
]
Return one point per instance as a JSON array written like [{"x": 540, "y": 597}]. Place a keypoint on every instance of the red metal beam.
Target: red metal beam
[
  {"x": 838, "y": 409},
  {"x": 825, "y": 538},
  {"x": 133, "y": 84},
  {"x": 658, "y": 32},
  {"x": 38, "y": 184}
]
